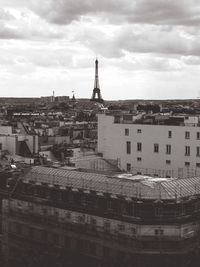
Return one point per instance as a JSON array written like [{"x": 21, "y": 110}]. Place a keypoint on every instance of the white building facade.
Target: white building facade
[
  {"x": 11, "y": 141},
  {"x": 159, "y": 150}
]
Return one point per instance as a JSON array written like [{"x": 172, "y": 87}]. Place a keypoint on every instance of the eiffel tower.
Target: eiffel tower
[{"x": 96, "y": 95}]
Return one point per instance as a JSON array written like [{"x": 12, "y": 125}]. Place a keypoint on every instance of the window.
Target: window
[
  {"x": 44, "y": 235},
  {"x": 106, "y": 252},
  {"x": 198, "y": 165},
  {"x": 56, "y": 213},
  {"x": 168, "y": 149},
  {"x": 44, "y": 211},
  {"x": 198, "y": 151},
  {"x": 67, "y": 242},
  {"x": 31, "y": 232},
  {"x": 121, "y": 227},
  {"x": 187, "y": 135},
  {"x": 93, "y": 221},
  {"x": 128, "y": 167},
  {"x": 19, "y": 207},
  {"x": 159, "y": 231},
  {"x": 198, "y": 135},
  {"x": 68, "y": 215},
  {"x": 30, "y": 206},
  {"x": 139, "y": 159},
  {"x": 55, "y": 238},
  {"x": 187, "y": 150},
  {"x": 168, "y": 162},
  {"x": 79, "y": 244},
  {"x": 139, "y": 130},
  {"x": 128, "y": 147},
  {"x": 139, "y": 146},
  {"x": 92, "y": 248},
  {"x": 169, "y": 134},
  {"x": 107, "y": 225},
  {"x": 156, "y": 148},
  {"x": 185, "y": 231},
  {"x": 133, "y": 230},
  {"x": 10, "y": 227},
  {"x": 187, "y": 164},
  {"x": 80, "y": 219},
  {"x": 127, "y": 132},
  {"x": 18, "y": 228}
]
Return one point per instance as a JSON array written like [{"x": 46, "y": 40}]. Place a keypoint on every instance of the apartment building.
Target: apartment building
[
  {"x": 116, "y": 220},
  {"x": 158, "y": 145}
]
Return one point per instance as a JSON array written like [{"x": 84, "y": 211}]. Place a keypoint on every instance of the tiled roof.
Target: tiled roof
[{"x": 115, "y": 186}]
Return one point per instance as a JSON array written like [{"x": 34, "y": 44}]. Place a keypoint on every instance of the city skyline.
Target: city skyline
[{"x": 146, "y": 49}]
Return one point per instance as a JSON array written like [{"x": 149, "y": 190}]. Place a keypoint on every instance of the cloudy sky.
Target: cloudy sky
[{"x": 146, "y": 48}]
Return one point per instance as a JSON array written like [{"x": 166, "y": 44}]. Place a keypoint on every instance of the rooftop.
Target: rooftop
[
  {"x": 123, "y": 185},
  {"x": 157, "y": 119}
]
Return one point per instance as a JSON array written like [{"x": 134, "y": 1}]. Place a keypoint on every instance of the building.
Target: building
[
  {"x": 53, "y": 98},
  {"x": 61, "y": 99},
  {"x": 115, "y": 220},
  {"x": 157, "y": 145},
  {"x": 18, "y": 144}
]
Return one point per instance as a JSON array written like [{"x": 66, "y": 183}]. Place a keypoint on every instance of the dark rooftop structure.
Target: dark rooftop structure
[{"x": 126, "y": 185}]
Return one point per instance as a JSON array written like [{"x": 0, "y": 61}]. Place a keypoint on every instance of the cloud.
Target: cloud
[
  {"x": 98, "y": 40},
  {"x": 191, "y": 60},
  {"x": 145, "y": 62},
  {"x": 5, "y": 15},
  {"x": 179, "y": 12},
  {"x": 15, "y": 24},
  {"x": 139, "y": 26},
  {"x": 154, "y": 39},
  {"x": 63, "y": 12},
  {"x": 8, "y": 33},
  {"x": 152, "y": 46},
  {"x": 147, "y": 39},
  {"x": 134, "y": 38}
]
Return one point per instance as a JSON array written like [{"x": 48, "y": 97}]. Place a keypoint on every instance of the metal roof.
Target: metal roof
[
  {"x": 114, "y": 185},
  {"x": 182, "y": 187}
]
